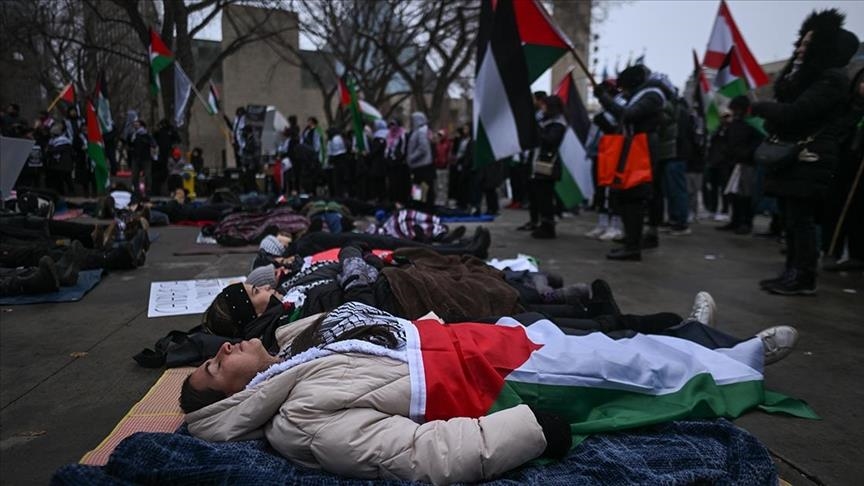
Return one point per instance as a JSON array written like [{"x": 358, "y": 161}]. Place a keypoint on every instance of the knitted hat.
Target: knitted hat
[
  {"x": 262, "y": 276},
  {"x": 270, "y": 244}
]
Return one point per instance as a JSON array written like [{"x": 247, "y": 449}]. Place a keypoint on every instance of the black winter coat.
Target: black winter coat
[
  {"x": 814, "y": 110},
  {"x": 552, "y": 132}
]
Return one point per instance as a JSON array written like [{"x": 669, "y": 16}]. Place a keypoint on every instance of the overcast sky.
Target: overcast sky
[{"x": 669, "y": 29}]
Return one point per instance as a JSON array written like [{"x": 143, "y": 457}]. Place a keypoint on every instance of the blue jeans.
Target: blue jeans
[{"x": 675, "y": 183}]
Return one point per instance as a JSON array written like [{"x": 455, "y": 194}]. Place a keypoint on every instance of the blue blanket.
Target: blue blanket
[
  {"x": 480, "y": 218},
  {"x": 684, "y": 452},
  {"x": 87, "y": 279}
]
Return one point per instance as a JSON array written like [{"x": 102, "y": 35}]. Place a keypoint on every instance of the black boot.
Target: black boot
[
  {"x": 802, "y": 282},
  {"x": 44, "y": 280},
  {"x": 768, "y": 282},
  {"x": 623, "y": 254},
  {"x": 71, "y": 263},
  {"x": 602, "y": 301},
  {"x": 453, "y": 235},
  {"x": 546, "y": 231},
  {"x": 529, "y": 226},
  {"x": 479, "y": 246},
  {"x": 122, "y": 257}
]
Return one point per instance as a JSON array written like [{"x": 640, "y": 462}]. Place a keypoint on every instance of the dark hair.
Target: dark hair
[
  {"x": 311, "y": 337},
  {"x": 540, "y": 95},
  {"x": 192, "y": 399},
  {"x": 554, "y": 106},
  {"x": 633, "y": 77},
  {"x": 218, "y": 320},
  {"x": 312, "y": 119},
  {"x": 739, "y": 103}
]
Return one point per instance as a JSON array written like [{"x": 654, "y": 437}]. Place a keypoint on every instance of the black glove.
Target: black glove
[
  {"x": 556, "y": 431},
  {"x": 599, "y": 90}
]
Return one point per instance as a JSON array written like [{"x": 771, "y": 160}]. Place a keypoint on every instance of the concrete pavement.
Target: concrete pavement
[{"x": 55, "y": 407}]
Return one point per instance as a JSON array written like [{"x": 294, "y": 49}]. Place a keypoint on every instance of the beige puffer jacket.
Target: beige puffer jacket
[{"x": 347, "y": 414}]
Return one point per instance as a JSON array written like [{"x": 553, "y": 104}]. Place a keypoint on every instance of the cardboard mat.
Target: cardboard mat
[{"x": 158, "y": 411}]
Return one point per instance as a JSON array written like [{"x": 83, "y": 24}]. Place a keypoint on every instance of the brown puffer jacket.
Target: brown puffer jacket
[{"x": 347, "y": 414}]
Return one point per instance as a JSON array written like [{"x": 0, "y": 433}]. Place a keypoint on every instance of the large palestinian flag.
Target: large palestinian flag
[
  {"x": 96, "y": 149},
  {"x": 594, "y": 382},
  {"x": 724, "y": 37},
  {"x": 160, "y": 58},
  {"x": 576, "y": 181}
]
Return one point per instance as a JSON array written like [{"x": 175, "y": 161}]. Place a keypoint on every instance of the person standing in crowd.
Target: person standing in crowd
[
  {"x": 848, "y": 179},
  {"x": 59, "y": 162},
  {"x": 167, "y": 138},
  {"x": 398, "y": 175},
  {"x": 717, "y": 171},
  {"x": 546, "y": 167},
  {"x": 811, "y": 96},
  {"x": 237, "y": 127},
  {"x": 443, "y": 150},
  {"x": 197, "y": 159},
  {"x": 11, "y": 124},
  {"x": 666, "y": 167},
  {"x": 74, "y": 132},
  {"x": 419, "y": 158},
  {"x": 140, "y": 145},
  {"x": 695, "y": 162},
  {"x": 609, "y": 225},
  {"x": 464, "y": 165},
  {"x": 338, "y": 160},
  {"x": 641, "y": 114},
  {"x": 742, "y": 139},
  {"x": 311, "y": 136},
  {"x": 677, "y": 194},
  {"x": 250, "y": 158},
  {"x": 377, "y": 164}
]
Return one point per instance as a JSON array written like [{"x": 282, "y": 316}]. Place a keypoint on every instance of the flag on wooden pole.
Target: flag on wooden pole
[
  {"x": 160, "y": 58},
  {"x": 724, "y": 37},
  {"x": 576, "y": 181},
  {"x": 96, "y": 149},
  {"x": 103, "y": 106},
  {"x": 67, "y": 95}
]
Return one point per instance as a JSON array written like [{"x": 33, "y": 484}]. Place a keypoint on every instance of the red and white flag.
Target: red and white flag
[{"x": 724, "y": 36}]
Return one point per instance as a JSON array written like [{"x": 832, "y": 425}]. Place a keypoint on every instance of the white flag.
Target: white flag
[{"x": 182, "y": 93}]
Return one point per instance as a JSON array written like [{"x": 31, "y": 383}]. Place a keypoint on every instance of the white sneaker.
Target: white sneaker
[
  {"x": 778, "y": 342},
  {"x": 721, "y": 217},
  {"x": 704, "y": 309},
  {"x": 611, "y": 234},
  {"x": 596, "y": 232}
]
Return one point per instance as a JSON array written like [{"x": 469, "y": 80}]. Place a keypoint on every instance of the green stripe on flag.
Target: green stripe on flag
[
  {"x": 482, "y": 148},
  {"x": 539, "y": 58},
  {"x": 735, "y": 88},
  {"x": 97, "y": 155},
  {"x": 591, "y": 410},
  {"x": 567, "y": 189}
]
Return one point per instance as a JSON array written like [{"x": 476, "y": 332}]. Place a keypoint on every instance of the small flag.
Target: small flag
[
  {"x": 703, "y": 97},
  {"x": 67, "y": 95},
  {"x": 160, "y": 58},
  {"x": 103, "y": 106},
  {"x": 576, "y": 181},
  {"x": 730, "y": 81},
  {"x": 348, "y": 99},
  {"x": 96, "y": 149},
  {"x": 182, "y": 93},
  {"x": 724, "y": 36},
  {"x": 212, "y": 99}
]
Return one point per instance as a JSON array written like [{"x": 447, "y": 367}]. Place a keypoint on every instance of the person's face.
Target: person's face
[
  {"x": 802, "y": 47},
  {"x": 233, "y": 367},
  {"x": 136, "y": 124},
  {"x": 542, "y": 106},
  {"x": 259, "y": 296}
]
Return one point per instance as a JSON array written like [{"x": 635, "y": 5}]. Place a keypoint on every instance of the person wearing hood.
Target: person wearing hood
[
  {"x": 642, "y": 113},
  {"x": 377, "y": 162},
  {"x": 338, "y": 158},
  {"x": 546, "y": 168},
  {"x": 59, "y": 162},
  {"x": 811, "y": 97},
  {"x": 419, "y": 157},
  {"x": 398, "y": 176}
]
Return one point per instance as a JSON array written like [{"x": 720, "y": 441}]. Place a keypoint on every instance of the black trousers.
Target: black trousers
[
  {"x": 426, "y": 174},
  {"x": 632, "y": 209},
  {"x": 713, "y": 183},
  {"x": 542, "y": 197},
  {"x": 656, "y": 202},
  {"x": 398, "y": 183},
  {"x": 742, "y": 211},
  {"x": 802, "y": 245},
  {"x": 30, "y": 228}
]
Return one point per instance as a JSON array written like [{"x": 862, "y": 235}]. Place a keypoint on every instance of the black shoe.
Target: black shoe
[
  {"x": 554, "y": 280},
  {"x": 849, "y": 265},
  {"x": 743, "y": 230},
  {"x": 139, "y": 247},
  {"x": 529, "y": 226},
  {"x": 650, "y": 241},
  {"x": 802, "y": 283},
  {"x": 727, "y": 227},
  {"x": 576, "y": 295},
  {"x": 786, "y": 275},
  {"x": 602, "y": 301},
  {"x": 479, "y": 246},
  {"x": 623, "y": 254},
  {"x": 453, "y": 235},
  {"x": 71, "y": 263},
  {"x": 546, "y": 231}
]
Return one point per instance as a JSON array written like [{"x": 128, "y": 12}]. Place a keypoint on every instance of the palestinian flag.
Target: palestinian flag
[
  {"x": 369, "y": 112},
  {"x": 704, "y": 99},
  {"x": 594, "y": 382},
  {"x": 67, "y": 95},
  {"x": 543, "y": 43},
  {"x": 576, "y": 182},
  {"x": 348, "y": 99},
  {"x": 160, "y": 58},
  {"x": 103, "y": 106},
  {"x": 724, "y": 36},
  {"x": 213, "y": 105},
  {"x": 730, "y": 81},
  {"x": 504, "y": 123},
  {"x": 96, "y": 148},
  {"x": 182, "y": 94}
]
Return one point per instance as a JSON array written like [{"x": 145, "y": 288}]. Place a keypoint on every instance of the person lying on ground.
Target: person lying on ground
[
  {"x": 180, "y": 208},
  {"x": 361, "y": 393},
  {"x": 414, "y": 225}
]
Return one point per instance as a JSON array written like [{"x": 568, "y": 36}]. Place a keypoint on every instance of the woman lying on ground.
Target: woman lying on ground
[{"x": 361, "y": 393}]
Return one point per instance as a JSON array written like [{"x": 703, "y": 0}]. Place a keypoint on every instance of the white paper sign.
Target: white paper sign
[{"x": 182, "y": 297}]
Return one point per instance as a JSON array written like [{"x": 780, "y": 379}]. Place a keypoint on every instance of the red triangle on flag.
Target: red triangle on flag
[
  {"x": 68, "y": 94},
  {"x": 535, "y": 26},
  {"x": 158, "y": 47}
]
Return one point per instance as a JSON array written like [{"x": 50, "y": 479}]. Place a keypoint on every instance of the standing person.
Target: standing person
[
  {"x": 546, "y": 168},
  {"x": 250, "y": 157},
  {"x": 74, "y": 132},
  {"x": 196, "y": 158},
  {"x": 237, "y": 127},
  {"x": 848, "y": 171},
  {"x": 377, "y": 163},
  {"x": 140, "y": 144},
  {"x": 666, "y": 166},
  {"x": 695, "y": 161},
  {"x": 419, "y": 157},
  {"x": 609, "y": 225},
  {"x": 60, "y": 162},
  {"x": 677, "y": 194},
  {"x": 398, "y": 175},
  {"x": 641, "y": 114},
  {"x": 10, "y": 121},
  {"x": 167, "y": 138},
  {"x": 717, "y": 171},
  {"x": 338, "y": 160},
  {"x": 742, "y": 139},
  {"x": 811, "y": 96},
  {"x": 443, "y": 150},
  {"x": 464, "y": 166},
  {"x": 311, "y": 136}
]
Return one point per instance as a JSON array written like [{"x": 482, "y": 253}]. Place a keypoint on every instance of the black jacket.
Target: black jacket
[
  {"x": 742, "y": 139},
  {"x": 552, "y": 132}
]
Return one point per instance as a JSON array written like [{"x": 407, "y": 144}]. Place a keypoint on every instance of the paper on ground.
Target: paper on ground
[{"x": 182, "y": 297}]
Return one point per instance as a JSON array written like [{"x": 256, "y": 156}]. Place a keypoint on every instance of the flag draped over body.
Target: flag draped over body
[
  {"x": 576, "y": 181},
  {"x": 504, "y": 123},
  {"x": 160, "y": 58},
  {"x": 595, "y": 383},
  {"x": 96, "y": 149}
]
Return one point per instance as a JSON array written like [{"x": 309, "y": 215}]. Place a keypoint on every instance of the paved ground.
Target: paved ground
[{"x": 54, "y": 408}]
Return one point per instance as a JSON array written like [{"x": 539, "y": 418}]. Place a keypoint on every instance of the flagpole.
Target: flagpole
[
  {"x": 57, "y": 99},
  {"x": 584, "y": 67},
  {"x": 848, "y": 203}
]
